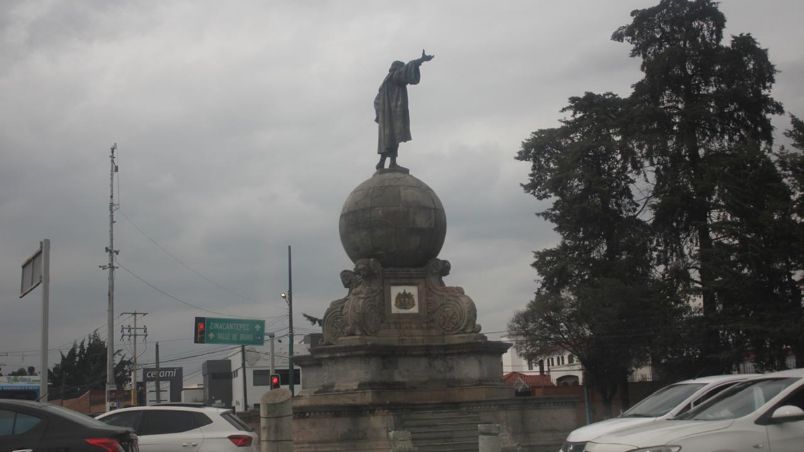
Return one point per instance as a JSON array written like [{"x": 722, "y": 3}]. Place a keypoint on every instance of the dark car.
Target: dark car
[{"x": 32, "y": 427}]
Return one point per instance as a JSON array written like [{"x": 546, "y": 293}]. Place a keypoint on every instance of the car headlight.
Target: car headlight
[{"x": 657, "y": 449}]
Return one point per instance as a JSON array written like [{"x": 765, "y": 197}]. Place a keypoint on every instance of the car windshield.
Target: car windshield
[
  {"x": 740, "y": 400},
  {"x": 662, "y": 401}
]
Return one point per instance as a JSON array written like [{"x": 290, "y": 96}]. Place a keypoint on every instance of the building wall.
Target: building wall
[
  {"x": 262, "y": 363},
  {"x": 558, "y": 365}
]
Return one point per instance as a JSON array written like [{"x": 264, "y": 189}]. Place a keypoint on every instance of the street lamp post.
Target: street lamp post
[{"x": 291, "y": 376}]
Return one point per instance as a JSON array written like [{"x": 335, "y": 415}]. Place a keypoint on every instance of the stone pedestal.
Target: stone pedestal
[
  {"x": 402, "y": 350},
  {"x": 403, "y": 373}
]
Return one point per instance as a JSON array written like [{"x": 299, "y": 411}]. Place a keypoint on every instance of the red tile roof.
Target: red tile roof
[{"x": 533, "y": 380}]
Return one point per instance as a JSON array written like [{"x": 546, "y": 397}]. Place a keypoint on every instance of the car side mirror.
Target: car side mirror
[{"x": 786, "y": 413}]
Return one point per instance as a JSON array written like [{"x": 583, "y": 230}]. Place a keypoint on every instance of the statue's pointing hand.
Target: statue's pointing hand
[{"x": 425, "y": 57}]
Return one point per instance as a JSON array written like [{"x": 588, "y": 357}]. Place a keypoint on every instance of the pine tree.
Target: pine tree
[{"x": 84, "y": 368}]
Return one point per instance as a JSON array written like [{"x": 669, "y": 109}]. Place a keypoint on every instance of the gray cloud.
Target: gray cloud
[{"x": 243, "y": 126}]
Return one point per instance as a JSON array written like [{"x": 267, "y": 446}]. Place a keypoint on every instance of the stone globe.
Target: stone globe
[{"x": 395, "y": 218}]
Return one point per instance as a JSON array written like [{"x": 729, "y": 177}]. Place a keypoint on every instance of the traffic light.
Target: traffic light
[
  {"x": 200, "y": 330},
  {"x": 274, "y": 381}
]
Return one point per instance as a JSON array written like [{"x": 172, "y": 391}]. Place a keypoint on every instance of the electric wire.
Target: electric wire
[
  {"x": 185, "y": 265},
  {"x": 170, "y": 296}
]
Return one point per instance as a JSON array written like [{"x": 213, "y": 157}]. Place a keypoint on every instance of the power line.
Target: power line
[
  {"x": 134, "y": 332},
  {"x": 185, "y": 265},
  {"x": 161, "y": 361},
  {"x": 184, "y": 302},
  {"x": 170, "y": 296},
  {"x": 69, "y": 345}
]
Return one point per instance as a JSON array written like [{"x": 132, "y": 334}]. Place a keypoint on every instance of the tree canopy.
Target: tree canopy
[
  {"x": 83, "y": 367},
  {"x": 675, "y": 215}
]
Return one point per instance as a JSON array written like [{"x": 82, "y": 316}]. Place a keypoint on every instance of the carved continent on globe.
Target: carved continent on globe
[{"x": 395, "y": 218}]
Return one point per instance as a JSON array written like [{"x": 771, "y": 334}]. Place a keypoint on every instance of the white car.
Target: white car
[
  {"x": 166, "y": 428},
  {"x": 668, "y": 402},
  {"x": 762, "y": 413}
]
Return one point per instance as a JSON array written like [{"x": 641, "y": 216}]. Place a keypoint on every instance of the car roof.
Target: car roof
[
  {"x": 205, "y": 409},
  {"x": 25, "y": 403},
  {"x": 63, "y": 413},
  {"x": 718, "y": 378},
  {"x": 789, "y": 373}
]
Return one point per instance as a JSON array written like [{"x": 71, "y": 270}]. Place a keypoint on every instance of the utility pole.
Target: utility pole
[
  {"x": 43, "y": 391},
  {"x": 288, "y": 297},
  {"x": 110, "y": 267},
  {"x": 245, "y": 383},
  {"x": 134, "y": 332},
  {"x": 271, "y": 337},
  {"x": 158, "y": 383}
]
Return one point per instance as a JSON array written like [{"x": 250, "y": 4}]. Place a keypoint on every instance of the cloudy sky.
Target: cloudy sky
[{"x": 242, "y": 127}]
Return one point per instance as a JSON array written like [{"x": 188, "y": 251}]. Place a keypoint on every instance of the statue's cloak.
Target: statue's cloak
[{"x": 391, "y": 106}]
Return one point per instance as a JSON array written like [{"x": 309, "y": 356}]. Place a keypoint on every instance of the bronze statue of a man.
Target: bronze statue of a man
[{"x": 391, "y": 108}]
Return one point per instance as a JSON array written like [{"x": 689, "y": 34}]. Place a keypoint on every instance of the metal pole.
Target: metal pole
[
  {"x": 134, "y": 332},
  {"x": 271, "y": 372},
  {"x": 243, "y": 367},
  {"x": 134, "y": 371},
  {"x": 43, "y": 393},
  {"x": 291, "y": 374},
  {"x": 157, "y": 384},
  {"x": 110, "y": 384}
]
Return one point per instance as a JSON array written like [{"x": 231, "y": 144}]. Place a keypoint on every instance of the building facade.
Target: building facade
[{"x": 257, "y": 371}]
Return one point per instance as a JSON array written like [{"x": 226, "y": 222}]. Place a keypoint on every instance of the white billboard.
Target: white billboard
[{"x": 31, "y": 272}]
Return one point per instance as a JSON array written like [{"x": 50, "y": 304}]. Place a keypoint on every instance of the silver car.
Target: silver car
[
  {"x": 763, "y": 413},
  {"x": 668, "y": 402}
]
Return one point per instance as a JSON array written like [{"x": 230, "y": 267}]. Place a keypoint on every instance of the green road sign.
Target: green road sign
[{"x": 210, "y": 330}]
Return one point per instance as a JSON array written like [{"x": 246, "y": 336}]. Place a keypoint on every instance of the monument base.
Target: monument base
[
  {"x": 387, "y": 370},
  {"x": 359, "y": 390}
]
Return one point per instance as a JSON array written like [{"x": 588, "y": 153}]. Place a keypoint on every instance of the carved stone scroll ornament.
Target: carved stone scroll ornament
[
  {"x": 333, "y": 325},
  {"x": 453, "y": 312},
  {"x": 364, "y": 310},
  {"x": 361, "y": 311}
]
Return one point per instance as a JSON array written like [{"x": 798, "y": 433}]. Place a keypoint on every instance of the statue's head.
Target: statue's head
[{"x": 396, "y": 65}]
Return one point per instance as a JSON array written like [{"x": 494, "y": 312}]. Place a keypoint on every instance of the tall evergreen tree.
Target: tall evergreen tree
[
  {"x": 597, "y": 297},
  {"x": 675, "y": 219},
  {"x": 703, "y": 117},
  {"x": 84, "y": 368}
]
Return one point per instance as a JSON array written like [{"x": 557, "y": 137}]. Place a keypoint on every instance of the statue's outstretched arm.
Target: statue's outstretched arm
[{"x": 425, "y": 57}]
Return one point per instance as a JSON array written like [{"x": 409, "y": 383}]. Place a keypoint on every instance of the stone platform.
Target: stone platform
[{"x": 364, "y": 372}]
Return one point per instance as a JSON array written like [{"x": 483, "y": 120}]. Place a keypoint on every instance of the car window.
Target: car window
[
  {"x": 706, "y": 396},
  {"x": 124, "y": 419},
  {"x": 201, "y": 419},
  {"x": 662, "y": 401},
  {"x": 795, "y": 399},
  {"x": 13, "y": 423},
  {"x": 72, "y": 416},
  {"x": 24, "y": 423},
  {"x": 163, "y": 422},
  {"x": 236, "y": 421},
  {"x": 6, "y": 422},
  {"x": 741, "y": 399}
]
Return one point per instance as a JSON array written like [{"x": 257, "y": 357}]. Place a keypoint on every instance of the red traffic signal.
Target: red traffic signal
[
  {"x": 274, "y": 381},
  {"x": 200, "y": 330}
]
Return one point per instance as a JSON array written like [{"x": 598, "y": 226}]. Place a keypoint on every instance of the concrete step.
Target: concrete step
[{"x": 442, "y": 430}]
